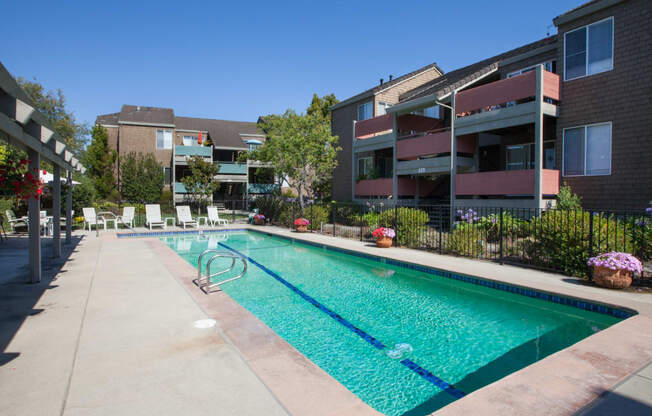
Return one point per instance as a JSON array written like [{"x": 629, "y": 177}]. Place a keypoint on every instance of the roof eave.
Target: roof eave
[{"x": 584, "y": 11}]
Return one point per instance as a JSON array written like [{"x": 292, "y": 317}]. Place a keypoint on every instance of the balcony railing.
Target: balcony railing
[
  {"x": 432, "y": 143},
  {"x": 507, "y": 182},
  {"x": 204, "y": 151},
  {"x": 384, "y": 187},
  {"x": 262, "y": 188},
  {"x": 232, "y": 168},
  {"x": 385, "y": 124},
  {"x": 510, "y": 90}
]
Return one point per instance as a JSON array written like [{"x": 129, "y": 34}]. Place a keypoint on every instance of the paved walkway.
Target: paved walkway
[{"x": 113, "y": 334}]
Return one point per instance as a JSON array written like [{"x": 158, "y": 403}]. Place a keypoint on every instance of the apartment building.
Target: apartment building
[
  {"x": 173, "y": 140},
  {"x": 570, "y": 108}
]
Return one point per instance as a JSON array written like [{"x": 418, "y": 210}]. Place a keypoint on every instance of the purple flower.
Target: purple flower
[
  {"x": 648, "y": 210},
  {"x": 617, "y": 261}
]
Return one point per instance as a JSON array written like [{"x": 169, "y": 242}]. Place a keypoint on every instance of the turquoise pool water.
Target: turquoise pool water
[{"x": 404, "y": 341}]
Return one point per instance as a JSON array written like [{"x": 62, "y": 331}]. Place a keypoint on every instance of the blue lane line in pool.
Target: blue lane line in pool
[
  {"x": 359, "y": 332},
  {"x": 448, "y": 388}
]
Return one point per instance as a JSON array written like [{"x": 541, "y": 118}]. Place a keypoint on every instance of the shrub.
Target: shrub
[
  {"x": 409, "y": 224},
  {"x": 317, "y": 214},
  {"x": 465, "y": 240},
  {"x": 270, "y": 206},
  {"x": 83, "y": 195},
  {"x": 512, "y": 226},
  {"x": 567, "y": 200},
  {"x": 561, "y": 238}
]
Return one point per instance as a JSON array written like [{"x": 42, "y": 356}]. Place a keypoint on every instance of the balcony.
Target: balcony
[
  {"x": 432, "y": 143},
  {"x": 378, "y": 132},
  {"x": 505, "y": 103},
  {"x": 508, "y": 182},
  {"x": 232, "y": 168},
  {"x": 182, "y": 153},
  {"x": 383, "y": 187},
  {"x": 262, "y": 188}
]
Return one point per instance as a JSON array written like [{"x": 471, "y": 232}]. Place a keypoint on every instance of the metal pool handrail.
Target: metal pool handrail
[{"x": 204, "y": 281}]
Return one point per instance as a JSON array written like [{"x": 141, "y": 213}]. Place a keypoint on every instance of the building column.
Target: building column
[
  {"x": 416, "y": 197},
  {"x": 353, "y": 166},
  {"x": 56, "y": 212},
  {"x": 69, "y": 209},
  {"x": 538, "y": 140},
  {"x": 34, "y": 218},
  {"x": 394, "y": 161},
  {"x": 453, "y": 159}
]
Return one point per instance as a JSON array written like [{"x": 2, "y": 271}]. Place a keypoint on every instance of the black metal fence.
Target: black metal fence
[{"x": 548, "y": 239}]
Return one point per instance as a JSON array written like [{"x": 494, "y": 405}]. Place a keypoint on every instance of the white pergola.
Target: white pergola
[{"x": 24, "y": 127}]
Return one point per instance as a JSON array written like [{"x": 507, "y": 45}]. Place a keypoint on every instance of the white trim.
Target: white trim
[
  {"x": 586, "y": 60},
  {"x": 251, "y": 135},
  {"x": 109, "y": 125},
  {"x": 138, "y": 123},
  {"x": 585, "y": 126},
  {"x": 191, "y": 131}
]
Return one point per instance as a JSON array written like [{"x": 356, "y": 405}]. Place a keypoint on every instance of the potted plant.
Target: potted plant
[
  {"x": 259, "y": 219},
  {"x": 301, "y": 225},
  {"x": 383, "y": 236},
  {"x": 614, "y": 269}
]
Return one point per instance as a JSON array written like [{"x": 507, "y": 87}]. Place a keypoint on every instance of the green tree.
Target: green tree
[
  {"x": 142, "y": 178},
  {"x": 52, "y": 104},
  {"x": 322, "y": 106},
  {"x": 99, "y": 160},
  {"x": 200, "y": 183},
  {"x": 300, "y": 148}
]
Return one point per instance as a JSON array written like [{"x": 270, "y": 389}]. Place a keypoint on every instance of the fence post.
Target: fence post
[
  {"x": 233, "y": 211},
  {"x": 311, "y": 217},
  {"x": 396, "y": 215},
  {"x": 441, "y": 226},
  {"x": 360, "y": 220},
  {"x": 334, "y": 218},
  {"x": 500, "y": 235},
  {"x": 589, "y": 270}
]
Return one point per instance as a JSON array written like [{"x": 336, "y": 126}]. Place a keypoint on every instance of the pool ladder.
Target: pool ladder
[{"x": 204, "y": 281}]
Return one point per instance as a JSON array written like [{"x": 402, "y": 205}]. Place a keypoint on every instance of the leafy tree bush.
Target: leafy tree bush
[
  {"x": 99, "y": 161},
  {"x": 562, "y": 238},
  {"x": 512, "y": 226},
  {"x": 409, "y": 224},
  {"x": 567, "y": 200},
  {"x": 142, "y": 178},
  {"x": 317, "y": 214},
  {"x": 465, "y": 240},
  {"x": 83, "y": 195},
  {"x": 269, "y": 205},
  {"x": 200, "y": 183}
]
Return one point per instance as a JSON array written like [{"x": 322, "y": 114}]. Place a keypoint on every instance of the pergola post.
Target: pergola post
[
  {"x": 453, "y": 159},
  {"x": 69, "y": 209},
  {"x": 34, "y": 218},
  {"x": 394, "y": 160},
  {"x": 56, "y": 212}
]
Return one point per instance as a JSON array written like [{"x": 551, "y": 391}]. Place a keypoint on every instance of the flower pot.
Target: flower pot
[
  {"x": 259, "y": 221},
  {"x": 612, "y": 279},
  {"x": 384, "y": 242},
  {"x": 301, "y": 228}
]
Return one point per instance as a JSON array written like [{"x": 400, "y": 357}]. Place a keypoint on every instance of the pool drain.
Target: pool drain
[
  {"x": 398, "y": 350},
  {"x": 204, "y": 323}
]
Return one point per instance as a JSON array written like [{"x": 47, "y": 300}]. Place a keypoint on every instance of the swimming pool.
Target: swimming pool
[{"x": 405, "y": 341}]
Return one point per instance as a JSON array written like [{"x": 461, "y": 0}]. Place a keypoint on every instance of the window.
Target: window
[
  {"x": 189, "y": 140},
  {"x": 588, "y": 50},
  {"x": 164, "y": 139},
  {"x": 518, "y": 157},
  {"x": 587, "y": 150},
  {"x": 253, "y": 146},
  {"x": 548, "y": 66},
  {"x": 382, "y": 108},
  {"x": 365, "y": 111},
  {"x": 167, "y": 177},
  {"x": 365, "y": 166}
]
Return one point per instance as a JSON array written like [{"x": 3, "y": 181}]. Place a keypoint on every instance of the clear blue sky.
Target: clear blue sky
[{"x": 241, "y": 59}]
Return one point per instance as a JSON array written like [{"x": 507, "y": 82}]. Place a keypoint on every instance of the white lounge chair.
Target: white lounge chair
[
  {"x": 153, "y": 216},
  {"x": 127, "y": 217},
  {"x": 14, "y": 221},
  {"x": 184, "y": 217},
  {"x": 90, "y": 218},
  {"x": 214, "y": 217}
]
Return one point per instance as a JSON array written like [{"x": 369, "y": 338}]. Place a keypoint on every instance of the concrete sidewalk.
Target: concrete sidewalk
[{"x": 114, "y": 335}]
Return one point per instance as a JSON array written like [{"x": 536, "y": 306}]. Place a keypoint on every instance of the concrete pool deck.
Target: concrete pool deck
[{"x": 114, "y": 335}]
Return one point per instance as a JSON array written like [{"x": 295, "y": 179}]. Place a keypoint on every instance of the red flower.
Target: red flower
[{"x": 45, "y": 172}]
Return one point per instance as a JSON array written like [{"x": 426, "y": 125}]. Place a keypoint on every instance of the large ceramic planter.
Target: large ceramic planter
[
  {"x": 259, "y": 221},
  {"x": 612, "y": 279},
  {"x": 301, "y": 228},
  {"x": 384, "y": 242}
]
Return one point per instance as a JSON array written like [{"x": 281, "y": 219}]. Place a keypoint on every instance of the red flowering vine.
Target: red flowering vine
[{"x": 15, "y": 177}]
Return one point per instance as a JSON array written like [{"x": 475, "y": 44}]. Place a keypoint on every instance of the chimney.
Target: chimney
[
  {"x": 391, "y": 76},
  {"x": 381, "y": 81}
]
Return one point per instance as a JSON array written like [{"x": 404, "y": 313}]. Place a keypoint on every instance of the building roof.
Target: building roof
[
  {"x": 463, "y": 76},
  {"x": 223, "y": 133},
  {"x": 380, "y": 87},
  {"x": 146, "y": 115},
  {"x": 583, "y": 10}
]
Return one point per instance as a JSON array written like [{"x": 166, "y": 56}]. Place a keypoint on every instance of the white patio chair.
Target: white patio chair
[
  {"x": 153, "y": 216},
  {"x": 90, "y": 218},
  {"x": 214, "y": 217},
  {"x": 184, "y": 217},
  {"x": 14, "y": 221},
  {"x": 127, "y": 217}
]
